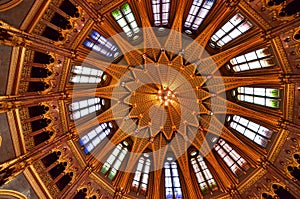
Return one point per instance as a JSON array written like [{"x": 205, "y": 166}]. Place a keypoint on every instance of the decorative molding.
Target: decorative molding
[
  {"x": 77, "y": 153},
  {"x": 14, "y": 132},
  {"x": 34, "y": 15},
  {"x": 63, "y": 116},
  {"x": 12, "y": 193},
  {"x": 9, "y": 5},
  {"x": 20, "y": 132},
  {"x": 15, "y": 67},
  {"x": 246, "y": 8},
  {"x": 87, "y": 27},
  {"x": 281, "y": 55},
  {"x": 46, "y": 179},
  {"x": 277, "y": 146},
  {"x": 110, "y": 6},
  {"x": 253, "y": 178},
  {"x": 38, "y": 188},
  {"x": 290, "y": 102},
  {"x": 102, "y": 183},
  {"x": 36, "y": 183},
  {"x": 64, "y": 74}
]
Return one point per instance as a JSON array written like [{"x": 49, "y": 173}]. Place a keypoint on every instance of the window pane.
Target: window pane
[
  {"x": 231, "y": 158},
  {"x": 231, "y": 30},
  {"x": 236, "y": 19}
]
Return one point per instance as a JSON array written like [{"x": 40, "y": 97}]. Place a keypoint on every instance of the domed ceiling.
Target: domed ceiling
[{"x": 150, "y": 99}]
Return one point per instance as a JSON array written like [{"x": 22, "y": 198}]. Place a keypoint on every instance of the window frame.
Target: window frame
[
  {"x": 161, "y": 21},
  {"x": 83, "y": 107},
  {"x": 200, "y": 166},
  {"x": 107, "y": 48},
  {"x": 173, "y": 177},
  {"x": 193, "y": 27},
  {"x": 113, "y": 163},
  {"x": 244, "y": 60},
  {"x": 98, "y": 134},
  {"x": 135, "y": 31},
  {"x": 237, "y": 162},
  {"x": 79, "y": 75},
  {"x": 142, "y": 173},
  {"x": 241, "y": 95},
  {"x": 227, "y": 30},
  {"x": 239, "y": 123}
]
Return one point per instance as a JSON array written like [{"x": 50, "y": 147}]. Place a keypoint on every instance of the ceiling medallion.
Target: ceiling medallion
[
  {"x": 165, "y": 96},
  {"x": 160, "y": 91}
]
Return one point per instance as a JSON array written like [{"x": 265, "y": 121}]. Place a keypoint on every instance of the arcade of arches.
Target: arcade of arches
[{"x": 75, "y": 99}]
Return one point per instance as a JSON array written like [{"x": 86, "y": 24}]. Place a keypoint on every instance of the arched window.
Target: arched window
[
  {"x": 281, "y": 192},
  {"x": 267, "y": 196},
  {"x": 268, "y": 97},
  {"x": 93, "y": 138},
  {"x": 234, "y": 161},
  {"x": 206, "y": 181},
  {"x": 85, "y": 107},
  {"x": 64, "y": 181},
  {"x": 172, "y": 183},
  {"x": 81, "y": 194},
  {"x": 60, "y": 21},
  {"x": 253, "y": 60},
  {"x": 115, "y": 160},
  {"x": 197, "y": 13},
  {"x": 235, "y": 27},
  {"x": 58, "y": 169},
  {"x": 290, "y": 9},
  {"x": 251, "y": 130},
  {"x": 51, "y": 158},
  {"x": 126, "y": 21},
  {"x": 101, "y": 45},
  {"x": 86, "y": 75},
  {"x": 161, "y": 10},
  {"x": 141, "y": 177},
  {"x": 69, "y": 8}
]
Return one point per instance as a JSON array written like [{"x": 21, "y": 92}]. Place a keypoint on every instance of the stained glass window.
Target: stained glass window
[
  {"x": 126, "y": 21},
  {"x": 253, "y": 60},
  {"x": 234, "y": 28},
  {"x": 87, "y": 75},
  {"x": 251, "y": 130},
  {"x": 114, "y": 161},
  {"x": 85, "y": 107},
  {"x": 234, "y": 161},
  {"x": 93, "y": 138},
  {"x": 141, "y": 177},
  {"x": 101, "y": 45},
  {"x": 172, "y": 182},
  {"x": 268, "y": 97},
  {"x": 204, "y": 177},
  {"x": 161, "y": 9},
  {"x": 197, "y": 13}
]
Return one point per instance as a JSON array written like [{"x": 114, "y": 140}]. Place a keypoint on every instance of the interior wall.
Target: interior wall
[
  {"x": 5, "y": 52},
  {"x": 21, "y": 185},
  {"x": 6, "y": 147},
  {"x": 16, "y": 15}
]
